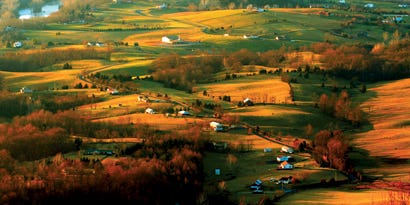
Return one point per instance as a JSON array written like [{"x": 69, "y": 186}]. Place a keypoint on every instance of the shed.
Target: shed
[
  {"x": 26, "y": 90},
  {"x": 247, "y": 102},
  {"x": 149, "y": 111},
  {"x": 267, "y": 150},
  {"x": 285, "y": 165},
  {"x": 287, "y": 149},
  {"x": 216, "y": 126},
  {"x": 171, "y": 39},
  {"x": 143, "y": 98},
  {"x": 17, "y": 44},
  {"x": 183, "y": 112},
  {"x": 112, "y": 91},
  {"x": 161, "y": 6}
]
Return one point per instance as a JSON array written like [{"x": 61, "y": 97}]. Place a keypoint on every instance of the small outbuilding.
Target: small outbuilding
[
  {"x": 247, "y": 102},
  {"x": 183, "y": 112},
  {"x": 17, "y": 44},
  {"x": 149, "y": 111},
  {"x": 216, "y": 126},
  {"x": 112, "y": 91},
  {"x": 285, "y": 180},
  {"x": 26, "y": 90},
  {"x": 143, "y": 98},
  {"x": 285, "y": 165},
  {"x": 173, "y": 39},
  {"x": 267, "y": 150},
  {"x": 287, "y": 149}
]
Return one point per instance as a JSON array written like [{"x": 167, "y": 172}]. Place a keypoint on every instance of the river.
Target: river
[{"x": 46, "y": 10}]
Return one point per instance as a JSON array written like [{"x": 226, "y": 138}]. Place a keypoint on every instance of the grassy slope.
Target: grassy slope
[
  {"x": 258, "y": 88},
  {"x": 337, "y": 196},
  {"x": 381, "y": 150},
  {"x": 52, "y": 77},
  {"x": 389, "y": 138}
]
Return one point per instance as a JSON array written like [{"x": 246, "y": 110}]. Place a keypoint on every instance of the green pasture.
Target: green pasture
[
  {"x": 76, "y": 37},
  {"x": 156, "y": 87},
  {"x": 282, "y": 120},
  {"x": 307, "y": 90},
  {"x": 238, "y": 174},
  {"x": 134, "y": 68},
  {"x": 339, "y": 196}
]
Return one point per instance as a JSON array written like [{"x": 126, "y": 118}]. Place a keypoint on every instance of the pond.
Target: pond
[{"x": 46, "y": 10}]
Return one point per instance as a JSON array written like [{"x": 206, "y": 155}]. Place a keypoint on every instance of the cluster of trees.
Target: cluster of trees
[
  {"x": 341, "y": 107},
  {"x": 161, "y": 170},
  {"x": 200, "y": 104},
  {"x": 121, "y": 82},
  {"x": 134, "y": 27},
  {"x": 81, "y": 86},
  {"x": 248, "y": 4},
  {"x": 380, "y": 62},
  {"x": 75, "y": 124},
  {"x": 28, "y": 142},
  {"x": 366, "y": 63},
  {"x": 8, "y": 9},
  {"x": 77, "y": 10},
  {"x": 330, "y": 149},
  {"x": 19, "y": 105},
  {"x": 33, "y": 61},
  {"x": 183, "y": 73},
  {"x": 49, "y": 133},
  {"x": 272, "y": 58}
]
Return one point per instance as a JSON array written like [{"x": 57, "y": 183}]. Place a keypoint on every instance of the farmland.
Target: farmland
[{"x": 265, "y": 75}]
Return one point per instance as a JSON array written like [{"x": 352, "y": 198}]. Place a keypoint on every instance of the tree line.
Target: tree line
[
  {"x": 12, "y": 105},
  {"x": 182, "y": 73},
  {"x": 357, "y": 61},
  {"x": 242, "y": 4},
  {"x": 33, "y": 61},
  {"x": 379, "y": 62},
  {"x": 341, "y": 107},
  {"x": 166, "y": 169}
]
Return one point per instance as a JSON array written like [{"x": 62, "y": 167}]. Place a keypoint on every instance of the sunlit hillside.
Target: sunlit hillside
[{"x": 205, "y": 102}]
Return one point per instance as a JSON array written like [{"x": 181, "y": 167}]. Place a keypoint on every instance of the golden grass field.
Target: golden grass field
[
  {"x": 266, "y": 90},
  {"x": 118, "y": 107},
  {"x": 388, "y": 112},
  {"x": 157, "y": 121},
  {"x": 40, "y": 80},
  {"x": 51, "y": 79},
  {"x": 334, "y": 196}
]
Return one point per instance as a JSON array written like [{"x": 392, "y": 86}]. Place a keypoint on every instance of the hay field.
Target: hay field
[
  {"x": 260, "y": 90},
  {"x": 337, "y": 196},
  {"x": 158, "y": 121},
  {"x": 53, "y": 78},
  {"x": 283, "y": 120},
  {"x": 134, "y": 68},
  {"x": 40, "y": 80},
  {"x": 241, "y": 137},
  {"x": 117, "y": 106},
  {"x": 389, "y": 113}
]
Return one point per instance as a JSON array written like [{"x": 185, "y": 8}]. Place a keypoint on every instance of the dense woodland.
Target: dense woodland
[
  {"x": 367, "y": 64},
  {"x": 158, "y": 171},
  {"x": 12, "y": 105},
  {"x": 34, "y": 61}
]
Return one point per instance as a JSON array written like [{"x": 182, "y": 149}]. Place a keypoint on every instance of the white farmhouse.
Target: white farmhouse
[{"x": 171, "y": 39}]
